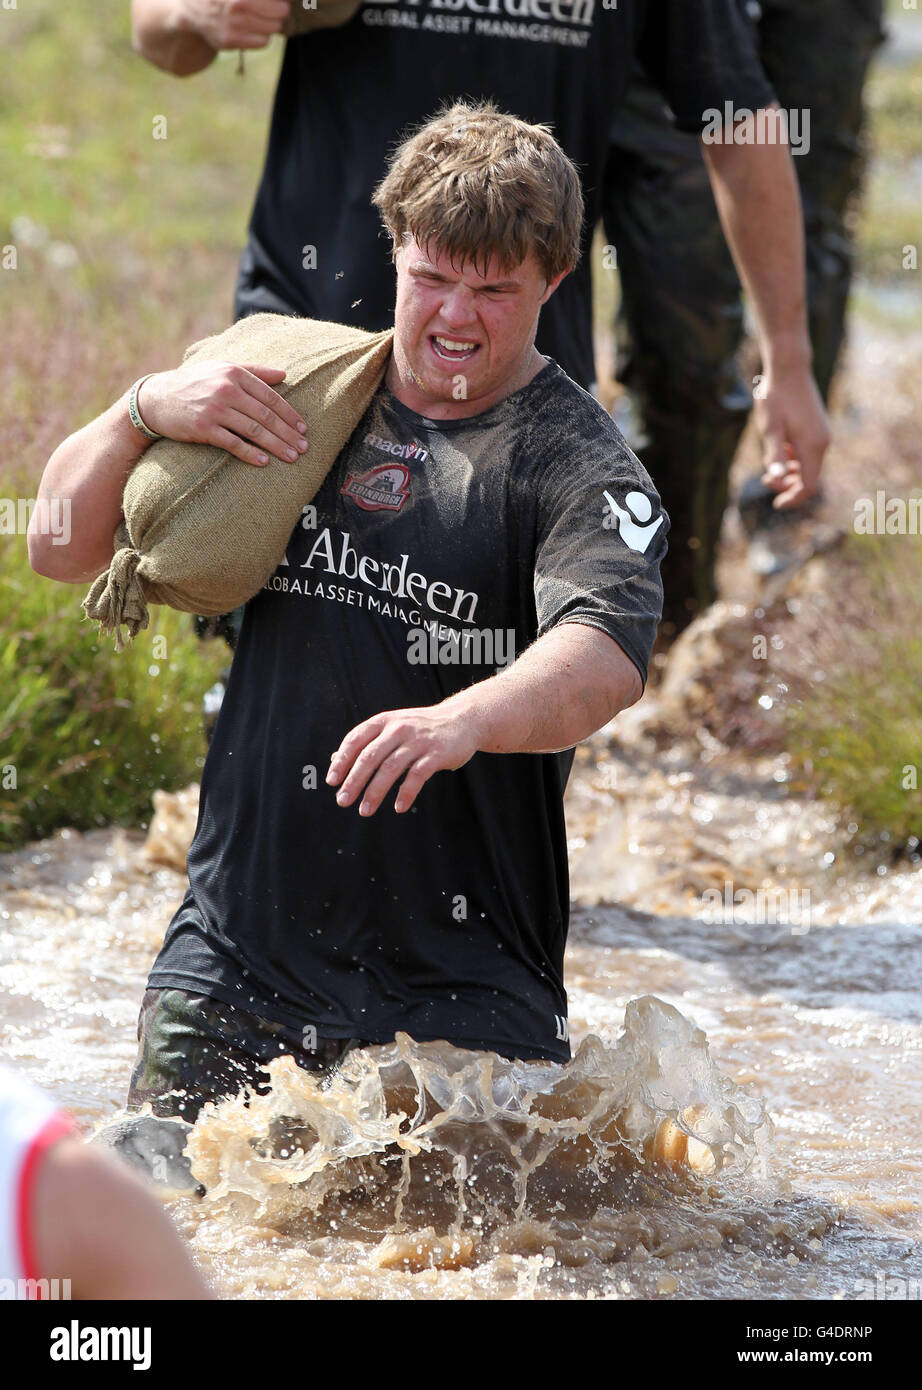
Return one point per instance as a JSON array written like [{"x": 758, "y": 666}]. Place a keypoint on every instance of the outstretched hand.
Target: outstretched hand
[{"x": 417, "y": 742}]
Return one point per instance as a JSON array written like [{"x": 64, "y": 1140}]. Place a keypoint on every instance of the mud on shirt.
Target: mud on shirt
[{"x": 434, "y": 553}]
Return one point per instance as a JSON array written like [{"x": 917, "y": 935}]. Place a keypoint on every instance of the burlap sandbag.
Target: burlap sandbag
[
  {"x": 202, "y": 530},
  {"x": 322, "y": 14}
]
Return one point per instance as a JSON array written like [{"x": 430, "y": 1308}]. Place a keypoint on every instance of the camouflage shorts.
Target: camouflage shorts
[{"x": 192, "y": 1049}]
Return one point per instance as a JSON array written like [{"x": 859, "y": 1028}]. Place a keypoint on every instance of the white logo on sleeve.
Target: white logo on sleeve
[{"x": 634, "y": 525}]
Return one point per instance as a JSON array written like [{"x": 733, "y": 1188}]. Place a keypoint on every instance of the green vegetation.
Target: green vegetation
[
  {"x": 77, "y": 113},
  {"x": 856, "y": 728},
  {"x": 889, "y": 214},
  {"x": 86, "y": 735}
]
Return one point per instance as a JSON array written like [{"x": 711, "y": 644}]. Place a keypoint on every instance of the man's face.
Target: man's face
[{"x": 463, "y": 338}]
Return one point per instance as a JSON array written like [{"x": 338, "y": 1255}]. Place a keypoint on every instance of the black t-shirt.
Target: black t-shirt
[
  {"x": 461, "y": 539},
  {"x": 346, "y": 96}
]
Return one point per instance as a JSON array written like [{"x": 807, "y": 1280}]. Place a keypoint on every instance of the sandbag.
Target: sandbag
[
  {"x": 202, "y": 531},
  {"x": 322, "y": 14}
]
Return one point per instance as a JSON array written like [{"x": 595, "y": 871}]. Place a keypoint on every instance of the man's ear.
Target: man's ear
[{"x": 552, "y": 285}]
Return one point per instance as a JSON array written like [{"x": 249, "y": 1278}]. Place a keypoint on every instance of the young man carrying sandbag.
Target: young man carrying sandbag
[{"x": 381, "y": 842}]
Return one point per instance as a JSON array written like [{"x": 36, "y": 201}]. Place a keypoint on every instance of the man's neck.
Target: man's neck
[{"x": 402, "y": 383}]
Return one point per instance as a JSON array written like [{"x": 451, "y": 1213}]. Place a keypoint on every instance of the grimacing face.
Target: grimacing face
[{"x": 463, "y": 340}]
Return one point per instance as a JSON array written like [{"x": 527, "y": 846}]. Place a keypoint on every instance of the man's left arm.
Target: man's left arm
[
  {"x": 757, "y": 196},
  {"x": 560, "y": 690}
]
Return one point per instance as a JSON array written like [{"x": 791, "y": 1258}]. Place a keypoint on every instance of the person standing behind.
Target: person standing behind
[{"x": 680, "y": 323}]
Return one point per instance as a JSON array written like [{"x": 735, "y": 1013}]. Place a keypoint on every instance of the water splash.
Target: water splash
[{"x": 440, "y": 1154}]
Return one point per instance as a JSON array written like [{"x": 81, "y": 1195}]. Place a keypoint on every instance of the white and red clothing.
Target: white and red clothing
[{"x": 30, "y": 1122}]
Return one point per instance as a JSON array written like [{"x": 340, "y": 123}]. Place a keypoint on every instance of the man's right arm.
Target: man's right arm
[
  {"x": 87, "y": 473},
  {"x": 228, "y": 405}
]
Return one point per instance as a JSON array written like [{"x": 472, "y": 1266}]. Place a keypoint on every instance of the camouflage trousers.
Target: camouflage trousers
[
  {"x": 192, "y": 1049},
  {"x": 680, "y": 322}
]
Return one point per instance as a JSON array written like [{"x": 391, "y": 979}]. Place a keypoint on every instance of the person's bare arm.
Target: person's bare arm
[
  {"x": 215, "y": 403},
  {"x": 560, "y": 690},
  {"x": 755, "y": 188},
  {"x": 96, "y": 1224},
  {"x": 185, "y": 36},
  {"x": 88, "y": 473}
]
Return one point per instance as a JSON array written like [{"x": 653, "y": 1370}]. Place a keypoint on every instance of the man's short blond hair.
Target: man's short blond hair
[{"x": 477, "y": 183}]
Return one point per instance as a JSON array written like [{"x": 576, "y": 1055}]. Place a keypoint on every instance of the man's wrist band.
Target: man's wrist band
[{"x": 134, "y": 414}]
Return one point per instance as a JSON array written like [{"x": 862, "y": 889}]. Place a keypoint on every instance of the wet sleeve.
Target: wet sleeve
[
  {"x": 702, "y": 54},
  {"x": 601, "y": 536}
]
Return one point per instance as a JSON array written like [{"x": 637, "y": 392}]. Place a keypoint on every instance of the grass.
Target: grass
[
  {"x": 854, "y": 727},
  {"x": 86, "y": 734},
  {"x": 77, "y": 113},
  {"x": 888, "y": 216}
]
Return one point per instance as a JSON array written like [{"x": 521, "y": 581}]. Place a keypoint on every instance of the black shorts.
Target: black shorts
[{"x": 192, "y": 1049}]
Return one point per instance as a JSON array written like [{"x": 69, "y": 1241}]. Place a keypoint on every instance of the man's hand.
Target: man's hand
[
  {"x": 235, "y": 23},
  {"x": 184, "y": 36},
  {"x": 215, "y": 403},
  {"x": 225, "y": 405},
  {"x": 417, "y": 742},
  {"x": 561, "y": 689},
  {"x": 795, "y": 433}
]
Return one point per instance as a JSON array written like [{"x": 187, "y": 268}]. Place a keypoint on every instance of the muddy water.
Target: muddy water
[{"x": 786, "y": 1054}]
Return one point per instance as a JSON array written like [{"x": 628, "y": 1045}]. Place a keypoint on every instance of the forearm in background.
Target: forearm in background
[{"x": 758, "y": 199}]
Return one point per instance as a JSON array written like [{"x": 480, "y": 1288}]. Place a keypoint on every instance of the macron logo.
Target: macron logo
[{"x": 634, "y": 526}]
